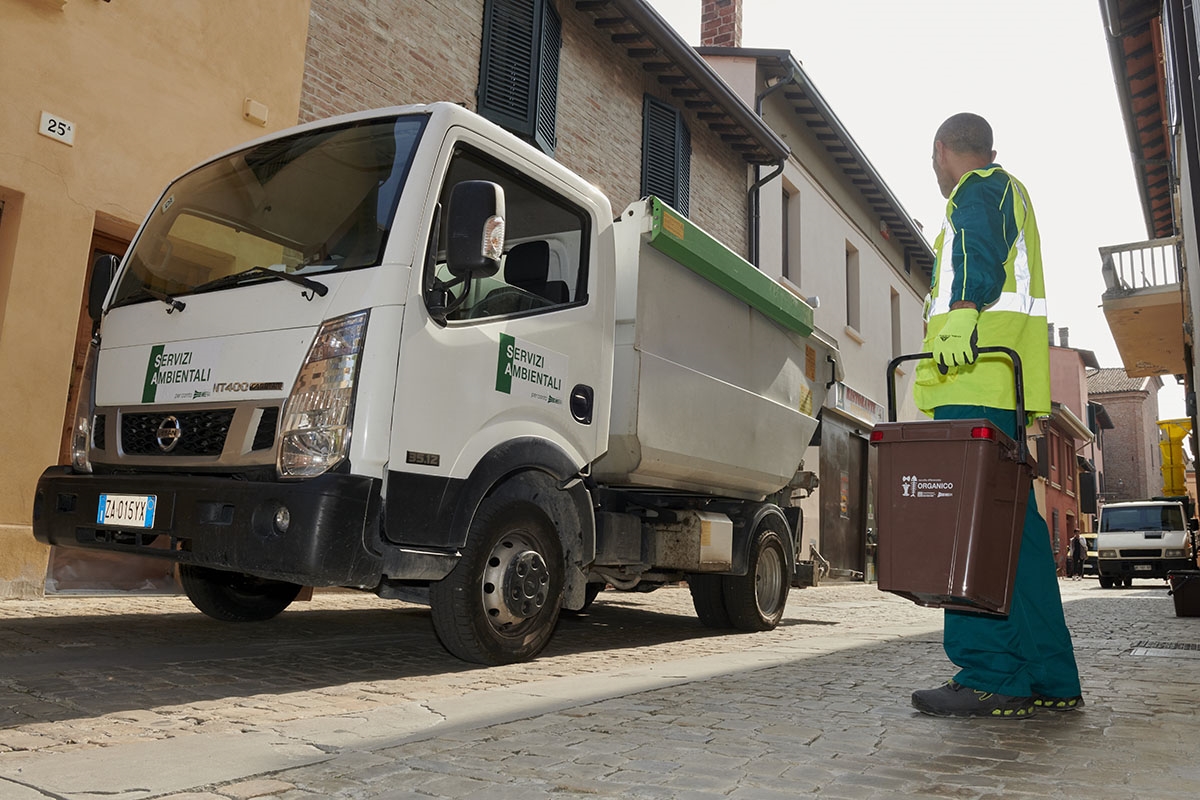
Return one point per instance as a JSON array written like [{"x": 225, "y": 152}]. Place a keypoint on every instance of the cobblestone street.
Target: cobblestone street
[{"x": 352, "y": 696}]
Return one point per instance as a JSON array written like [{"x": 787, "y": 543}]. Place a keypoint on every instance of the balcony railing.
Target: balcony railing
[
  {"x": 1143, "y": 305},
  {"x": 1139, "y": 265}
]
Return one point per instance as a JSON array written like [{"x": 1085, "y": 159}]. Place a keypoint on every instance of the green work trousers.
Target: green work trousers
[{"x": 1029, "y": 651}]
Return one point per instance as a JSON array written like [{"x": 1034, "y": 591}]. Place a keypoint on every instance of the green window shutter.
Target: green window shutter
[
  {"x": 666, "y": 154},
  {"x": 544, "y": 132},
  {"x": 518, "y": 71}
]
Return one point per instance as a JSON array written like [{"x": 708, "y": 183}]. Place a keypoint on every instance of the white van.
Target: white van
[{"x": 1143, "y": 539}]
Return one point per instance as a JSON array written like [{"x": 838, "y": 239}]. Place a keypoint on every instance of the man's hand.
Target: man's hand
[{"x": 957, "y": 343}]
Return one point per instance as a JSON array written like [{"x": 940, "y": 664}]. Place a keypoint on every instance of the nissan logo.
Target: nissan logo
[{"x": 168, "y": 434}]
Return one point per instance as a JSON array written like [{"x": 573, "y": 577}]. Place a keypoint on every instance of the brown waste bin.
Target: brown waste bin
[{"x": 950, "y": 506}]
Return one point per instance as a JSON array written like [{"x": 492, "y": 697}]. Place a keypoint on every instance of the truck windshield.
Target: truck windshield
[
  {"x": 307, "y": 204},
  {"x": 1142, "y": 518}
]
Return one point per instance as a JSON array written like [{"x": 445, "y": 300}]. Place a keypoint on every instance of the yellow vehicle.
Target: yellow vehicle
[{"x": 1089, "y": 563}]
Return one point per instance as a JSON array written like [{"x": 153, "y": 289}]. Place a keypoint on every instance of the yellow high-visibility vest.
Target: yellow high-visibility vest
[{"x": 1017, "y": 320}]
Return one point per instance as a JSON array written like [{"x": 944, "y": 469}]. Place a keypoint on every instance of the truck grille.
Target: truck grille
[
  {"x": 1143, "y": 553},
  {"x": 202, "y": 433}
]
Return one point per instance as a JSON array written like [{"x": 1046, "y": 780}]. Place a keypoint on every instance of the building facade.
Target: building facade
[
  {"x": 1059, "y": 440},
  {"x": 103, "y": 103},
  {"x": 1132, "y": 462}
]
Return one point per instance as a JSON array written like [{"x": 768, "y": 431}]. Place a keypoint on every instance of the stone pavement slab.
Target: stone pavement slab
[{"x": 818, "y": 706}]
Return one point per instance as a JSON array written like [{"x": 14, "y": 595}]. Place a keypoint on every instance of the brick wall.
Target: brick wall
[
  {"x": 1131, "y": 462},
  {"x": 370, "y": 53},
  {"x": 600, "y": 96},
  {"x": 721, "y": 23}
]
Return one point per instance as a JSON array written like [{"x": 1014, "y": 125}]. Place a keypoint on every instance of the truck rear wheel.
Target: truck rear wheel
[
  {"x": 233, "y": 596},
  {"x": 755, "y": 601},
  {"x": 500, "y": 603},
  {"x": 708, "y": 598}
]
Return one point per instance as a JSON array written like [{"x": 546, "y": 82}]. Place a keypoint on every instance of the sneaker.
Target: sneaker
[
  {"x": 955, "y": 700},
  {"x": 1058, "y": 703}
]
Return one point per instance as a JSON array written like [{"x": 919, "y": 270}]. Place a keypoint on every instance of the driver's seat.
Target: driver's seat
[{"x": 527, "y": 267}]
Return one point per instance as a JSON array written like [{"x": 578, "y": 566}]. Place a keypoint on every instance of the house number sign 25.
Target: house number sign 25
[{"x": 57, "y": 128}]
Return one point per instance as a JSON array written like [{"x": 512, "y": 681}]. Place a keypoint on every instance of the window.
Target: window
[
  {"x": 244, "y": 216},
  {"x": 518, "y": 71},
  {"x": 852, "y": 288},
  {"x": 666, "y": 155},
  {"x": 544, "y": 265},
  {"x": 1069, "y": 465},
  {"x": 790, "y": 268},
  {"x": 1054, "y": 450}
]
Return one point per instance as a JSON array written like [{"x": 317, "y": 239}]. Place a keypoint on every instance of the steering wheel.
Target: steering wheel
[{"x": 495, "y": 301}]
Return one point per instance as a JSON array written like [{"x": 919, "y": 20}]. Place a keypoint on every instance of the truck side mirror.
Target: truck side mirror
[
  {"x": 104, "y": 269},
  {"x": 475, "y": 229}
]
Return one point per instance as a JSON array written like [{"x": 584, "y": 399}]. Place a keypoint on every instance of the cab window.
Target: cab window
[{"x": 544, "y": 266}]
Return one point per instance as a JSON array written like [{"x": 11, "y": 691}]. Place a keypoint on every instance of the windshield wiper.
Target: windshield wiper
[
  {"x": 238, "y": 277},
  {"x": 163, "y": 297}
]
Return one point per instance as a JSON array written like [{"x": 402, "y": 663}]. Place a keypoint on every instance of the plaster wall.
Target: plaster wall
[{"x": 149, "y": 89}]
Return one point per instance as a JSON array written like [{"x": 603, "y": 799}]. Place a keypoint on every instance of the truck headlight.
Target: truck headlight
[
  {"x": 1180, "y": 553},
  {"x": 315, "y": 433},
  {"x": 1107, "y": 554}
]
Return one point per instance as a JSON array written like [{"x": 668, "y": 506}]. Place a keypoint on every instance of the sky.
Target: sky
[{"x": 1038, "y": 70}]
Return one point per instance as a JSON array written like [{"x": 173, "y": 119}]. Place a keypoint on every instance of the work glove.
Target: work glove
[{"x": 957, "y": 343}]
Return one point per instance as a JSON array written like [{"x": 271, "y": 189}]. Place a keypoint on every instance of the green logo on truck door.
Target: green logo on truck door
[{"x": 527, "y": 370}]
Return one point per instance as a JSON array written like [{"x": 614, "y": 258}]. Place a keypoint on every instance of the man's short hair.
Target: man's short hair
[{"x": 966, "y": 133}]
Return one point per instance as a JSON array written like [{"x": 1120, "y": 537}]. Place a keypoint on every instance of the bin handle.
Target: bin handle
[{"x": 1018, "y": 380}]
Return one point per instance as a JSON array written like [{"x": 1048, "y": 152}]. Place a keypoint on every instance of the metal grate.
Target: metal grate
[
  {"x": 1167, "y": 645},
  {"x": 1141, "y": 553},
  {"x": 264, "y": 436},
  {"x": 202, "y": 433},
  {"x": 98, "y": 432}
]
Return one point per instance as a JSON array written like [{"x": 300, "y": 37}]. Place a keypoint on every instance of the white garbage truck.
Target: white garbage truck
[
  {"x": 403, "y": 351},
  {"x": 1144, "y": 539}
]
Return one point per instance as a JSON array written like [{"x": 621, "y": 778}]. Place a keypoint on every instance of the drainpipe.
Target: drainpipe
[{"x": 754, "y": 198}]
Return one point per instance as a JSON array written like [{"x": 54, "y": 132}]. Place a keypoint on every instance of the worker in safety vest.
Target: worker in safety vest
[{"x": 987, "y": 290}]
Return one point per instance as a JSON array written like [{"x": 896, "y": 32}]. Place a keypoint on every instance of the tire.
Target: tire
[
  {"x": 1128, "y": 581},
  {"x": 1107, "y": 582},
  {"x": 233, "y": 596},
  {"x": 755, "y": 601},
  {"x": 708, "y": 598},
  {"x": 501, "y": 602}
]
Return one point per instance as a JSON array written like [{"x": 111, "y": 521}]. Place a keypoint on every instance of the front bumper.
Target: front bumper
[
  {"x": 1142, "y": 567},
  {"x": 224, "y": 523}
]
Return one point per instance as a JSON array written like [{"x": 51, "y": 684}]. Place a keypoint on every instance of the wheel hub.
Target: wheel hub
[
  {"x": 516, "y": 584},
  {"x": 526, "y": 584},
  {"x": 767, "y": 580}
]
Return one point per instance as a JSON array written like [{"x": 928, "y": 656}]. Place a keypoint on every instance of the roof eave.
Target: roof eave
[
  {"x": 766, "y": 146},
  {"x": 788, "y": 67}
]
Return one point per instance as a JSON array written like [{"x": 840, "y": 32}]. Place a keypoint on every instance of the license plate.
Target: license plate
[
  {"x": 1143, "y": 567},
  {"x": 126, "y": 510}
]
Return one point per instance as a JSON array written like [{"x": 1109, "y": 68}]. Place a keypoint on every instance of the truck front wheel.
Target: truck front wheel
[
  {"x": 755, "y": 601},
  {"x": 234, "y": 597},
  {"x": 500, "y": 603}
]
